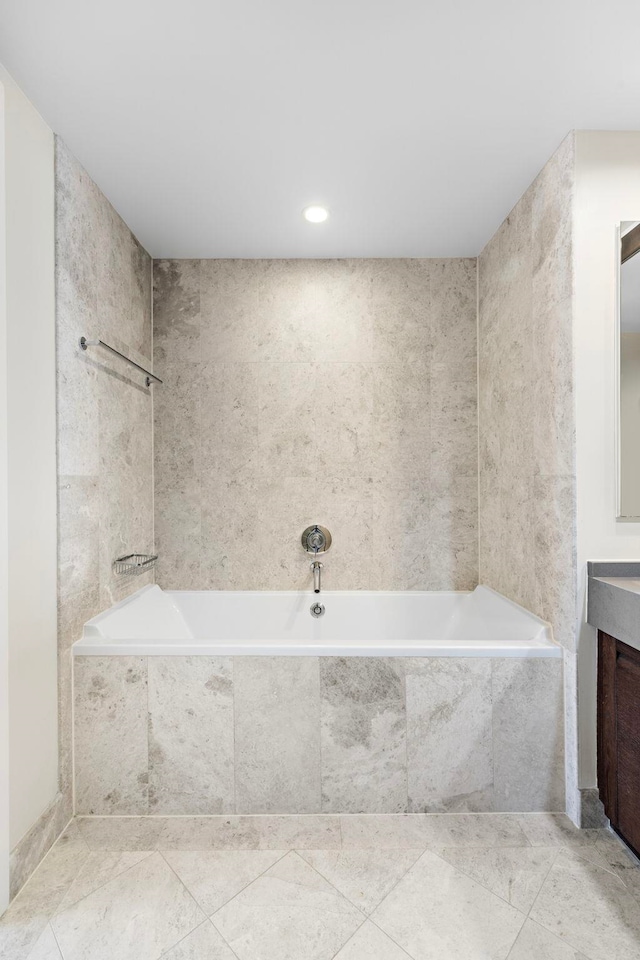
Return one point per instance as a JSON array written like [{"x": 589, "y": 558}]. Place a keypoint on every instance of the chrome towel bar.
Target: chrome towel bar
[{"x": 149, "y": 377}]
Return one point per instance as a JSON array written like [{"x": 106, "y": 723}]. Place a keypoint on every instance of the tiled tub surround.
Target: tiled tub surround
[
  {"x": 340, "y": 392},
  {"x": 527, "y": 513},
  {"x": 212, "y": 735},
  {"x": 104, "y": 445}
]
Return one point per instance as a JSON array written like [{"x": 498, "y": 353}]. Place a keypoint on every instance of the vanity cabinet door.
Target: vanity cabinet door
[
  {"x": 607, "y": 733},
  {"x": 619, "y": 736},
  {"x": 628, "y": 721}
]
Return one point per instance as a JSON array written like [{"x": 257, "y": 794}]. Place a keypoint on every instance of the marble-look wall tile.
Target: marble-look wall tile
[
  {"x": 277, "y": 734},
  {"x": 526, "y": 522},
  {"x": 526, "y": 444},
  {"x": 291, "y": 503},
  {"x": 105, "y": 430},
  {"x": 176, "y": 310},
  {"x": 401, "y": 310},
  {"x": 315, "y": 377},
  {"x": 111, "y": 755},
  {"x": 453, "y": 302},
  {"x": 528, "y": 734},
  {"x": 191, "y": 767},
  {"x": 363, "y": 735},
  {"x": 449, "y": 734},
  {"x": 552, "y": 224},
  {"x": 307, "y": 735}
]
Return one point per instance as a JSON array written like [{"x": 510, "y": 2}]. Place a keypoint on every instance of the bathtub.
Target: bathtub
[
  {"x": 355, "y": 624},
  {"x": 198, "y": 703}
]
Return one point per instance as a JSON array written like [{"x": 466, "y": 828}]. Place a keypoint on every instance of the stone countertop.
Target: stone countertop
[{"x": 614, "y": 600}]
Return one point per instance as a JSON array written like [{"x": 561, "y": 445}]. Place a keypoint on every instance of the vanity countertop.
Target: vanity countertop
[{"x": 614, "y": 600}]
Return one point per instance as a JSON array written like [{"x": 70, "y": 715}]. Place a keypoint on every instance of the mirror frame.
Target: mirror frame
[{"x": 632, "y": 250}]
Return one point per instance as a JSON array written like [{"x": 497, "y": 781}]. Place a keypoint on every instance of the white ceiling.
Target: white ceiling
[{"x": 210, "y": 124}]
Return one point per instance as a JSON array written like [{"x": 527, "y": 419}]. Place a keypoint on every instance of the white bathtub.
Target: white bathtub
[{"x": 363, "y": 624}]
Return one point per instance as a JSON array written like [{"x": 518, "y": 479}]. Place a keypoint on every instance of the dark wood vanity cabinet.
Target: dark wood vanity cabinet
[{"x": 619, "y": 736}]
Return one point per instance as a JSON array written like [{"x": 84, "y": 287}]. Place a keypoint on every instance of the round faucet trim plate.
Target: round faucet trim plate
[{"x": 316, "y": 539}]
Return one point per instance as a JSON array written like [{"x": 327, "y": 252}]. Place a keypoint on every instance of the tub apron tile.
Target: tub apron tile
[
  {"x": 191, "y": 766},
  {"x": 277, "y": 734},
  {"x": 449, "y": 734},
  {"x": 111, "y": 755},
  {"x": 363, "y": 735}
]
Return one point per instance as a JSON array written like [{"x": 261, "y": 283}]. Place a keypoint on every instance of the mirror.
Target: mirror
[{"x": 628, "y": 354}]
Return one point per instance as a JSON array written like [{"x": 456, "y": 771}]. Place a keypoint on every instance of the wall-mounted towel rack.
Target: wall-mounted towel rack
[{"x": 149, "y": 377}]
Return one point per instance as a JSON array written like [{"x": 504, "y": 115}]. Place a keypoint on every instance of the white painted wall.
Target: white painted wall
[
  {"x": 630, "y": 422},
  {"x": 607, "y": 192},
  {"x": 4, "y": 546},
  {"x": 31, "y": 455}
]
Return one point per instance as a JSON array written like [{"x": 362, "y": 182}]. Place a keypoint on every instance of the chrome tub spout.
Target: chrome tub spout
[{"x": 316, "y": 566}]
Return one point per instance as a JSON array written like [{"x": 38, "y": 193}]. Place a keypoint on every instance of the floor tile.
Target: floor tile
[
  {"x": 289, "y": 913},
  {"x": 46, "y": 947},
  {"x": 436, "y": 912},
  {"x": 138, "y": 915},
  {"x": 213, "y": 877},
  {"x": 251, "y": 833},
  {"x": 609, "y": 852},
  {"x": 210, "y": 833},
  {"x": 28, "y": 914},
  {"x": 300, "y": 832},
  {"x": 365, "y": 877},
  {"x": 375, "y": 831},
  {"x": 590, "y": 908},
  {"x": 98, "y": 869},
  {"x": 203, "y": 943},
  {"x": 536, "y": 943},
  {"x": 555, "y": 830},
  {"x": 475, "y": 830},
  {"x": 121, "y": 833},
  {"x": 515, "y": 874},
  {"x": 370, "y": 943},
  {"x": 434, "y": 831}
]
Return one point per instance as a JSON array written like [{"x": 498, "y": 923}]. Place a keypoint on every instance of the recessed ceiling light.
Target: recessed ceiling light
[{"x": 315, "y": 214}]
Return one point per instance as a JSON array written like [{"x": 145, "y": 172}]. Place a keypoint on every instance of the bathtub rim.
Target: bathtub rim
[{"x": 92, "y": 644}]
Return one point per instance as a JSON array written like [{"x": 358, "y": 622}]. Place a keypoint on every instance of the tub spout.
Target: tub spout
[{"x": 316, "y": 566}]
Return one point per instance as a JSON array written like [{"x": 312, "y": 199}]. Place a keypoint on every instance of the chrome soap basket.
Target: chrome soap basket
[{"x": 134, "y": 563}]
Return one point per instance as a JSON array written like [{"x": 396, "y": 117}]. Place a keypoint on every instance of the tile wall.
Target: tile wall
[
  {"x": 527, "y": 516},
  {"x": 260, "y": 735},
  {"x": 105, "y": 420},
  {"x": 341, "y": 392}
]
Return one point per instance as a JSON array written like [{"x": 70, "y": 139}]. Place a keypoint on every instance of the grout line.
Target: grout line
[
  {"x": 283, "y": 854},
  {"x": 73, "y": 734},
  {"x": 183, "y": 885},
  {"x": 42, "y": 859},
  {"x": 233, "y": 711},
  {"x": 545, "y": 880},
  {"x": 147, "y": 726},
  {"x": 560, "y": 940},
  {"x": 57, "y": 942},
  {"x": 182, "y": 939},
  {"x": 478, "y": 414},
  {"x": 121, "y": 873},
  {"x": 387, "y": 934}
]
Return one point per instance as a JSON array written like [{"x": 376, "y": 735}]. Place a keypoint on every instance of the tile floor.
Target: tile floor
[{"x": 406, "y": 887}]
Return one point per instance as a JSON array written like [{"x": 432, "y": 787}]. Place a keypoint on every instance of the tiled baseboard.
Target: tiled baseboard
[
  {"x": 592, "y": 813},
  {"x": 29, "y": 851}
]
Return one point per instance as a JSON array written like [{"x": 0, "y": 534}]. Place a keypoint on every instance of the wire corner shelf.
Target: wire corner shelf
[{"x": 133, "y": 564}]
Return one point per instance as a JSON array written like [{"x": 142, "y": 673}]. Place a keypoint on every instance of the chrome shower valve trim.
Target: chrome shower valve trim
[{"x": 316, "y": 539}]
